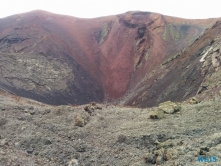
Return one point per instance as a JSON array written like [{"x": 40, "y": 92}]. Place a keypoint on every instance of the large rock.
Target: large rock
[
  {"x": 157, "y": 114},
  {"x": 160, "y": 156},
  {"x": 81, "y": 119},
  {"x": 73, "y": 162},
  {"x": 171, "y": 154},
  {"x": 194, "y": 100},
  {"x": 91, "y": 107},
  {"x": 169, "y": 107}
]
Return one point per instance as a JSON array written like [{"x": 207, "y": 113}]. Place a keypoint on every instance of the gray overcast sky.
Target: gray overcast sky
[{"x": 96, "y": 8}]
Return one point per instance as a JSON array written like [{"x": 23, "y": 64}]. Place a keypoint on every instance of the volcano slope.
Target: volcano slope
[
  {"x": 33, "y": 133},
  {"x": 59, "y": 59},
  {"x": 197, "y": 72}
]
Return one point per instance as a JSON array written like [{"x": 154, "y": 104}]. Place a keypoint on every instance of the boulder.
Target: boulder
[
  {"x": 149, "y": 158},
  {"x": 73, "y": 162},
  {"x": 160, "y": 156},
  {"x": 91, "y": 107},
  {"x": 81, "y": 119},
  {"x": 194, "y": 100},
  {"x": 171, "y": 154},
  {"x": 157, "y": 114},
  {"x": 169, "y": 107}
]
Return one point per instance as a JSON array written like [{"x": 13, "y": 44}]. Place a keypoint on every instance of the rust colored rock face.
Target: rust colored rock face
[
  {"x": 60, "y": 59},
  {"x": 192, "y": 72}
]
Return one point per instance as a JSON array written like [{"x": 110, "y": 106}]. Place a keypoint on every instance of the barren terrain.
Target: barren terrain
[
  {"x": 34, "y": 134},
  {"x": 135, "y": 89}
]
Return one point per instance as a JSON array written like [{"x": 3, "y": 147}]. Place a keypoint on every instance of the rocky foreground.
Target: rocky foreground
[{"x": 35, "y": 134}]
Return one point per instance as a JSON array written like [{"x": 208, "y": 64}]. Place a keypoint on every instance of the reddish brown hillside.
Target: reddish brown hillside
[
  {"x": 195, "y": 71},
  {"x": 60, "y": 59}
]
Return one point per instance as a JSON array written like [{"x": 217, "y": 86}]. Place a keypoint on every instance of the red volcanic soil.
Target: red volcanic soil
[{"x": 108, "y": 57}]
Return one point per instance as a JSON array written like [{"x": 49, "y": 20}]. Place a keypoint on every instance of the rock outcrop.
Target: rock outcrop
[{"x": 195, "y": 71}]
